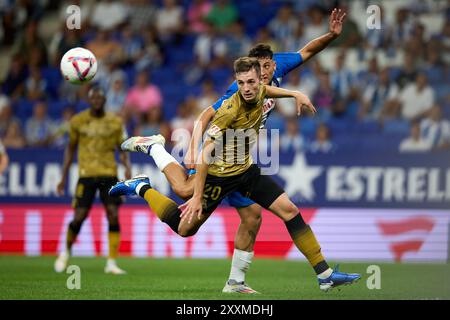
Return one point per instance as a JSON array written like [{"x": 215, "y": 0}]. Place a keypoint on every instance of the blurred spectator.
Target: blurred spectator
[
  {"x": 322, "y": 143},
  {"x": 152, "y": 123},
  {"x": 292, "y": 140},
  {"x": 264, "y": 36},
  {"x": 8, "y": 27},
  {"x": 376, "y": 95},
  {"x": 284, "y": 25},
  {"x": 169, "y": 20},
  {"x": 141, "y": 14},
  {"x": 30, "y": 41},
  {"x": 108, "y": 14},
  {"x": 223, "y": 13},
  {"x": 416, "y": 98},
  {"x": 197, "y": 12},
  {"x": 417, "y": 43},
  {"x": 143, "y": 96},
  {"x": 287, "y": 107},
  {"x": 131, "y": 44},
  {"x": 35, "y": 85},
  {"x": 185, "y": 116},
  {"x": 207, "y": 97},
  {"x": 103, "y": 47},
  {"x": 13, "y": 85},
  {"x": 368, "y": 76},
  {"x": 6, "y": 115},
  {"x": 105, "y": 72},
  {"x": 152, "y": 54},
  {"x": 14, "y": 138},
  {"x": 298, "y": 39},
  {"x": 317, "y": 24},
  {"x": 435, "y": 130},
  {"x": 401, "y": 27},
  {"x": 408, "y": 72},
  {"x": 444, "y": 38},
  {"x": 323, "y": 97},
  {"x": 341, "y": 78},
  {"x": 117, "y": 93},
  {"x": 415, "y": 142},
  {"x": 209, "y": 46},
  {"x": 237, "y": 42},
  {"x": 39, "y": 128}
]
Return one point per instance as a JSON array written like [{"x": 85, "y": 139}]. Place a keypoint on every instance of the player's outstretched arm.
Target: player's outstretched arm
[
  {"x": 313, "y": 47},
  {"x": 69, "y": 155},
  {"x": 125, "y": 160},
  {"x": 200, "y": 125},
  {"x": 301, "y": 99}
]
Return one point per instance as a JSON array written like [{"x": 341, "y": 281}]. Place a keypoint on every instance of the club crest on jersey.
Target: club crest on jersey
[
  {"x": 268, "y": 105},
  {"x": 213, "y": 130}
]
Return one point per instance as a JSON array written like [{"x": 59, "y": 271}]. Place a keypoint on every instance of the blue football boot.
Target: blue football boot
[
  {"x": 337, "y": 279},
  {"x": 128, "y": 187}
]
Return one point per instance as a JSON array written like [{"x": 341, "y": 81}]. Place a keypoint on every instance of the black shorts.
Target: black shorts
[
  {"x": 87, "y": 188},
  {"x": 251, "y": 184}
]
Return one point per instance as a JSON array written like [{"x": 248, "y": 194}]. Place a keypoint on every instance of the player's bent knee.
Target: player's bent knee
[
  {"x": 185, "y": 233},
  {"x": 286, "y": 209},
  {"x": 291, "y": 210}
]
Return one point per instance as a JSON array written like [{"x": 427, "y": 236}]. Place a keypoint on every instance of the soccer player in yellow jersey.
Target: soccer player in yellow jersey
[
  {"x": 97, "y": 135},
  {"x": 225, "y": 166},
  {"x": 274, "y": 67}
]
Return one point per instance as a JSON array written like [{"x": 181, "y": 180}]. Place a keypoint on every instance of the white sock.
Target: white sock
[
  {"x": 111, "y": 262},
  {"x": 240, "y": 264},
  {"x": 161, "y": 156},
  {"x": 325, "y": 274}
]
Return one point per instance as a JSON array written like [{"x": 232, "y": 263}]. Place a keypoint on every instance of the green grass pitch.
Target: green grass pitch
[{"x": 148, "y": 278}]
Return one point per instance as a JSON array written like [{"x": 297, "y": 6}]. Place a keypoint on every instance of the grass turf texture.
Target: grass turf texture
[{"x": 34, "y": 278}]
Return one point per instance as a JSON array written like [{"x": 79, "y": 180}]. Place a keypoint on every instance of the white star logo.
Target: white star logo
[{"x": 299, "y": 177}]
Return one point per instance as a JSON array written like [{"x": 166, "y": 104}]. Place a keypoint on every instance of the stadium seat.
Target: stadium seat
[
  {"x": 367, "y": 127},
  {"x": 399, "y": 126},
  {"x": 308, "y": 126},
  {"x": 23, "y": 109}
]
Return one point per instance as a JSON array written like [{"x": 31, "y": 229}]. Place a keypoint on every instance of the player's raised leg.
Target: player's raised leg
[
  {"x": 181, "y": 183},
  {"x": 165, "y": 208}
]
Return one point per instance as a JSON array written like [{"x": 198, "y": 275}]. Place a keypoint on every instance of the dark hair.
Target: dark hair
[
  {"x": 96, "y": 88},
  {"x": 261, "y": 50},
  {"x": 245, "y": 64}
]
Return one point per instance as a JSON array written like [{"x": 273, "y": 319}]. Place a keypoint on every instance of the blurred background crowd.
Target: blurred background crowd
[{"x": 162, "y": 62}]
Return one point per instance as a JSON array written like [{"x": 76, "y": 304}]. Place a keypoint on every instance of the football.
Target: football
[{"x": 78, "y": 65}]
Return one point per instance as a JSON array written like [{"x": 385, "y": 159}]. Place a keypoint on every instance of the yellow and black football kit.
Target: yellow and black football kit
[
  {"x": 97, "y": 139},
  {"x": 234, "y": 129},
  {"x": 233, "y": 171}
]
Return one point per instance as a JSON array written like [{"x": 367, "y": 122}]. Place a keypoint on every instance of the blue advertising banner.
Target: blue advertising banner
[{"x": 379, "y": 180}]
